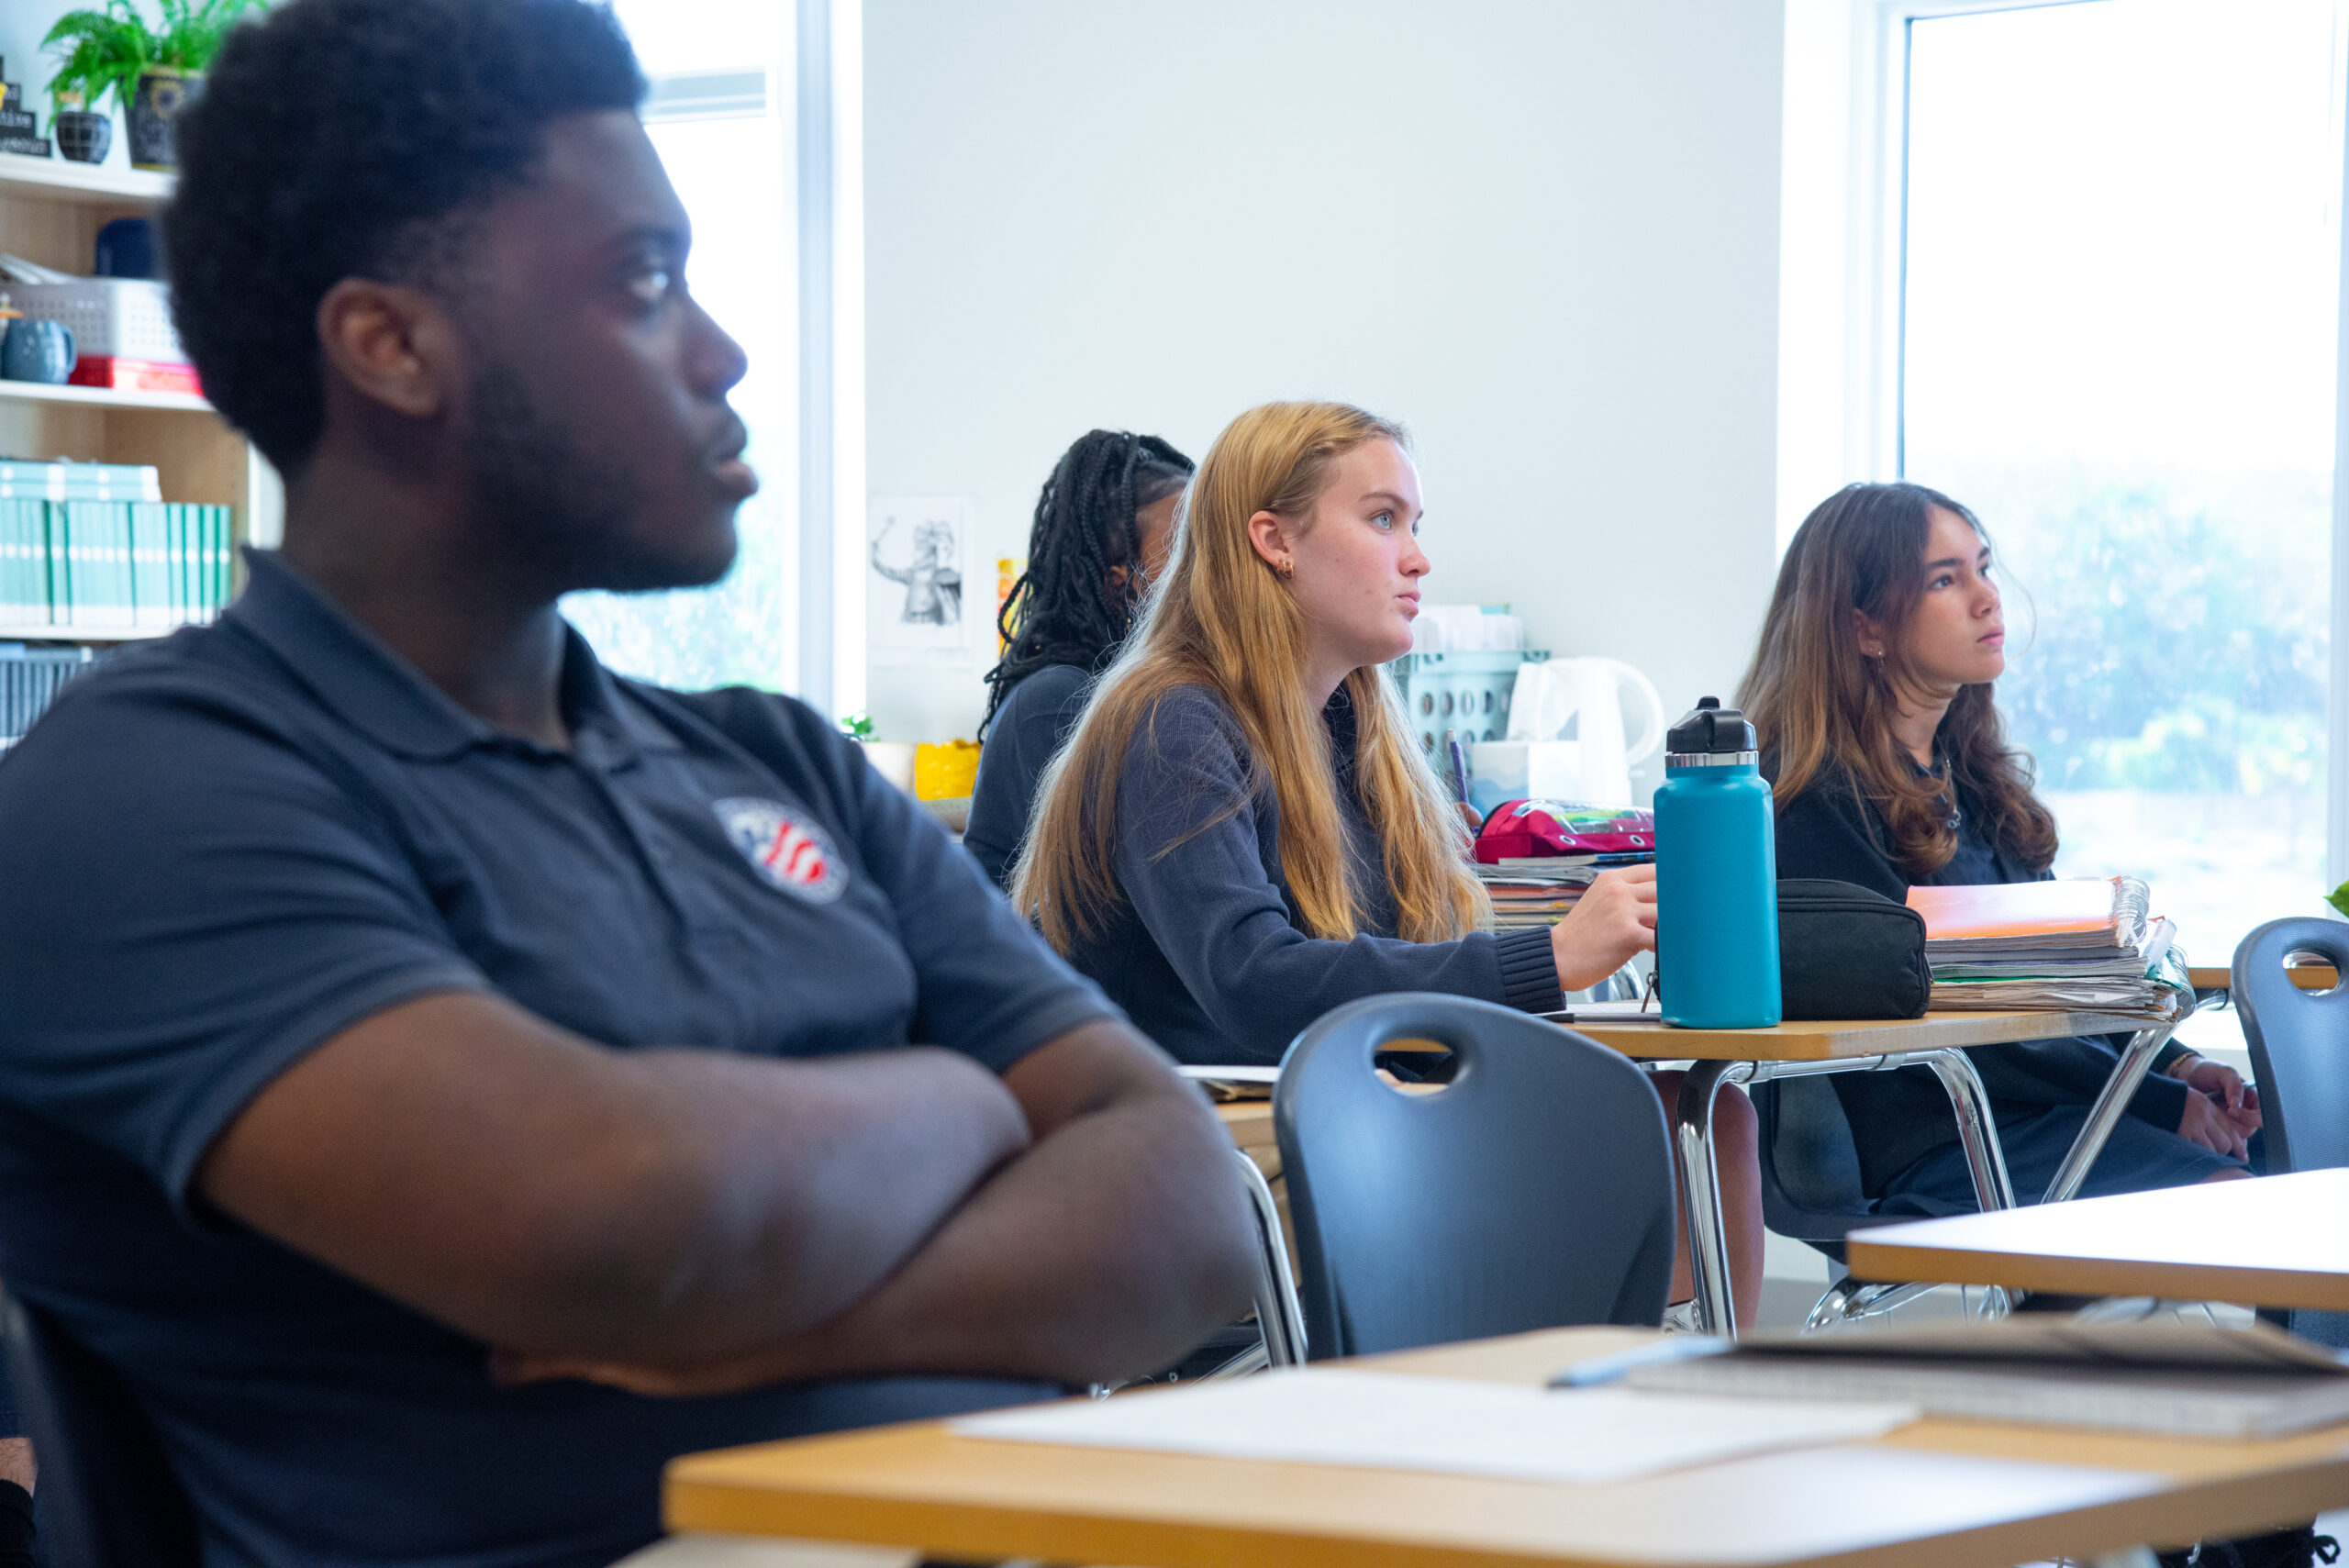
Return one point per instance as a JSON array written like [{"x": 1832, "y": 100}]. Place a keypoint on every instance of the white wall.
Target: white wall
[
  {"x": 22, "y": 24},
  {"x": 1543, "y": 232}
]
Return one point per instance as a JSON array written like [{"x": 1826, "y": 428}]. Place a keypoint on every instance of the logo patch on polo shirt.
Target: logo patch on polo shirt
[{"x": 784, "y": 847}]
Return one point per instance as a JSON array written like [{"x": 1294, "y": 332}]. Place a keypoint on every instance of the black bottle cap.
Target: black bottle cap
[{"x": 1710, "y": 728}]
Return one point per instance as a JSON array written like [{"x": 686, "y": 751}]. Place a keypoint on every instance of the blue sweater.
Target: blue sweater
[
  {"x": 1036, "y": 717},
  {"x": 1831, "y": 830},
  {"x": 1207, "y": 948}
]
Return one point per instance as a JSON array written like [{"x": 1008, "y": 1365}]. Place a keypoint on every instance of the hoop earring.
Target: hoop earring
[{"x": 1288, "y": 568}]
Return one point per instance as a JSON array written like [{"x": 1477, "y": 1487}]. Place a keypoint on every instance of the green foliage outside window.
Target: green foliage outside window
[{"x": 2177, "y": 647}]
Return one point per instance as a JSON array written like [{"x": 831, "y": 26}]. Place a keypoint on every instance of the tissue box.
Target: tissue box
[{"x": 1527, "y": 770}]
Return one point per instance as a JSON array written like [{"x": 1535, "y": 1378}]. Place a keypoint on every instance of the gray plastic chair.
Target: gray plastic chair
[
  {"x": 108, "y": 1497},
  {"x": 2299, "y": 1056},
  {"x": 1532, "y": 1191}
]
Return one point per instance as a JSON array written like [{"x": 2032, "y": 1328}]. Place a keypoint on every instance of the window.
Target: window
[
  {"x": 2119, "y": 278},
  {"x": 724, "y": 138},
  {"x": 754, "y": 110}
]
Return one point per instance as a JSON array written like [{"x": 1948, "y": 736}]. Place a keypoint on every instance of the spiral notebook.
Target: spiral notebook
[{"x": 2163, "y": 1378}]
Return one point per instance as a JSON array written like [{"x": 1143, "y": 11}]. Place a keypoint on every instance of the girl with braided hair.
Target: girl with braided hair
[{"x": 1103, "y": 527}]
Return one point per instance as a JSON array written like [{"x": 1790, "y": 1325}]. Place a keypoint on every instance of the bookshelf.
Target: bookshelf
[
  {"x": 62, "y": 179},
  {"x": 51, "y": 211}
]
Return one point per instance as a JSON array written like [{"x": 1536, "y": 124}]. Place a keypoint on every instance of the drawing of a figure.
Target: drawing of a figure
[{"x": 933, "y": 586}]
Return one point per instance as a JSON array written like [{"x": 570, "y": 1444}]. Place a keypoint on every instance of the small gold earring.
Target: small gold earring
[{"x": 1288, "y": 568}]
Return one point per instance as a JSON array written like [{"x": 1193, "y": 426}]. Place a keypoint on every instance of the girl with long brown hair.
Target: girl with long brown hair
[
  {"x": 1873, "y": 694},
  {"x": 1242, "y": 833}
]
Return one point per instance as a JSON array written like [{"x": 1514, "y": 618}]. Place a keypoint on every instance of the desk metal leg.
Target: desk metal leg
[
  {"x": 1701, "y": 1187},
  {"x": 1978, "y": 1130},
  {"x": 1977, "y": 1134},
  {"x": 2106, "y": 1114}
]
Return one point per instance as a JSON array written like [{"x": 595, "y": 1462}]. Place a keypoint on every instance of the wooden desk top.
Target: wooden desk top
[
  {"x": 1935, "y": 1494},
  {"x": 2270, "y": 1242},
  {"x": 1832, "y": 1041},
  {"x": 1250, "y": 1122},
  {"x": 2310, "y": 977}
]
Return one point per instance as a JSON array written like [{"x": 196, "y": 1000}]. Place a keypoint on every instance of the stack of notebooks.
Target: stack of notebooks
[
  {"x": 1535, "y": 857},
  {"x": 2086, "y": 944},
  {"x": 1542, "y": 892},
  {"x": 2162, "y": 1376},
  {"x": 94, "y": 546}
]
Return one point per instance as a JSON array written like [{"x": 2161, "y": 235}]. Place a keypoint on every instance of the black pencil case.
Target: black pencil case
[{"x": 1846, "y": 951}]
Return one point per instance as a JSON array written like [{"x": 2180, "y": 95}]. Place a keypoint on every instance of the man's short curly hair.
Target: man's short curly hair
[{"x": 342, "y": 139}]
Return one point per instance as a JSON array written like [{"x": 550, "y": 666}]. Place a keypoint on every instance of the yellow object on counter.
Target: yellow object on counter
[{"x": 946, "y": 770}]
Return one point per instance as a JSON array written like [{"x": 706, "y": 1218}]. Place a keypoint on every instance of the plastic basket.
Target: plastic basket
[
  {"x": 1465, "y": 692},
  {"x": 129, "y": 318}
]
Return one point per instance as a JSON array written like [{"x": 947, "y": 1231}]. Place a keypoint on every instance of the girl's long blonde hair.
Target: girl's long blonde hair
[{"x": 1221, "y": 617}]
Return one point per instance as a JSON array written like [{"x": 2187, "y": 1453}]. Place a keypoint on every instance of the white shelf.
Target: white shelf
[
  {"x": 102, "y": 396},
  {"x": 62, "y": 179},
  {"x": 42, "y": 632}
]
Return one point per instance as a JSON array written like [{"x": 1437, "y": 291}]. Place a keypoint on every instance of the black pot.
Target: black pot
[
  {"x": 82, "y": 135},
  {"x": 161, "y": 94}
]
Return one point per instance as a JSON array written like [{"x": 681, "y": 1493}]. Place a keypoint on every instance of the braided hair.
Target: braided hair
[{"x": 1065, "y": 609}]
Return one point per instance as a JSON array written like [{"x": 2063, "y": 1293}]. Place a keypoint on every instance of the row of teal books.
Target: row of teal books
[
  {"x": 23, "y": 479},
  {"x": 111, "y": 564}
]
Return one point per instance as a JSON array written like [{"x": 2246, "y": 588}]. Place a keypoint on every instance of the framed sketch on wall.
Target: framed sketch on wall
[{"x": 916, "y": 573}]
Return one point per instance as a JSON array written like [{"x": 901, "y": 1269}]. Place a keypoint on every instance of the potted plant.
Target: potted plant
[
  {"x": 152, "y": 71},
  {"x": 81, "y": 135}
]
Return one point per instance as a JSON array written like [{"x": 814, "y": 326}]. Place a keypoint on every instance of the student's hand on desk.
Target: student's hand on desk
[{"x": 1610, "y": 922}]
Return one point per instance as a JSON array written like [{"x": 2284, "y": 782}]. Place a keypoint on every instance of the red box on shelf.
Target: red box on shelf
[{"x": 134, "y": 375}]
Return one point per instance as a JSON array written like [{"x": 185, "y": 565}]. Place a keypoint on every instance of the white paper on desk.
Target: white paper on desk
[
  {"x": 1391, "y": 1421},
  {"x": 1626, "y": 1011}
]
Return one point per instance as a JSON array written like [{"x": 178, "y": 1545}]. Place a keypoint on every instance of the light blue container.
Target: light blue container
[{"x": 1717, "y": 876}]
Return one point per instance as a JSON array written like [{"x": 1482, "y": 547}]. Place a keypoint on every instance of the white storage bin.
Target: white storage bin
[{"x": 129, "y": 318}]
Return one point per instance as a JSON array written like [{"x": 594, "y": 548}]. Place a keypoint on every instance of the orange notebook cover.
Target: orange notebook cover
[{"x": 2077, "y": 905}]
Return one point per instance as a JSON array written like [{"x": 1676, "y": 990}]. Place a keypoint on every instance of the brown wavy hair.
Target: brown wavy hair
[
  {"x": 1219, "y": 616},
  {"x": 1823, "y": 705}
]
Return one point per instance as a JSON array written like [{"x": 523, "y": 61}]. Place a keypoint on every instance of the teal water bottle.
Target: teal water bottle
[{"x": 1716, "y": 876}]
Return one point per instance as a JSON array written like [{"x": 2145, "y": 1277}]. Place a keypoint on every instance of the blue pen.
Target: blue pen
[{"x": 1601, "y": 1370}]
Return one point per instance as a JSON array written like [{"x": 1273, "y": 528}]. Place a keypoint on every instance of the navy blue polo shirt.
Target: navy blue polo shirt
[{"x": 224, "y": 849}]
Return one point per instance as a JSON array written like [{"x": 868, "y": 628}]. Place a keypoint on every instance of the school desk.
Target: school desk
[
  {"x": 2267, "y": 1241},
  {"x": 1934, "y": 1495},
  {"x": 2308, "y": 977}
]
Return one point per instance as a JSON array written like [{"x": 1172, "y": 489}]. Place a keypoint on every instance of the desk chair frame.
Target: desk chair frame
[
  {"x": 1977, "y": 1132},
  {"x": 1700, "y": 1184},
  {"x": 108, "y": 1499},
  {"x": 1279, "y": 1315},
  {"x": 2299, "y": 1058},
  {"x": 2300, "y": 1043}
]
